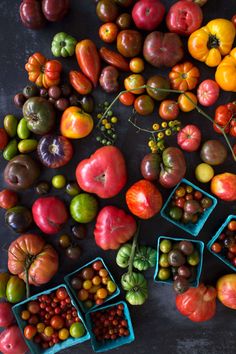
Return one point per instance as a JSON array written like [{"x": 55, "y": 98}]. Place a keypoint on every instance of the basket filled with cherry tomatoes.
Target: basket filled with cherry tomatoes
[
  {"x": 223, "y": 243},
  {"x": 92, "y": 284},
  {"x": 51, "y": 321}
]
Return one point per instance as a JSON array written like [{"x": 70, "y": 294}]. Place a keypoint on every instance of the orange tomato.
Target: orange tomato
[
  {"x": 132, "y": 82},
  {"x": 75, "y": 123},
  {"x": 232, "y": 225},
  {"x": 185, "y": 104},
  {"x": 127, "y": 98},
  {"x": 108, "y": 32},
  {"x": 136, "y": 65},
  {"x": 184, "y": 76}
]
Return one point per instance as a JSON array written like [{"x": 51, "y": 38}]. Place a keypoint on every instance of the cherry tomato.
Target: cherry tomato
[
  {"x": 33, "y": 307},
  {"x": 57, "y": 322},
  {"x": 30, "y": 331},
  {"x": 232, "y": 249},
  {"x": 222, "y": 115},
  {"x": 144, "y": 105},
  {"x": 108, "y": 32},
  {"x": 61, "y": 294},
  {"x": 127, "y": 98},
  {"x": 103, "y": 272},
  {"x": 3, "y": 138},
  {"x": 136, "y": 65},
  {"x": 208, "y": 92},
  {"x": 232, "y": 129},
  {"x": 233, "y": 19},
  {"x": 168, "y": 110},
  {"x": 48, "y": 331},
  {"x": 8, "y": 199},
  {"x": 232, "y": 225},
  {"x": 216, "y": 247},
  {"x": 133, "y": 82},
  {"x": 180, "y": 202},
  {"x": 97, "y": 265},
  {"x": 187, "y": 104},
  {"x": 83, "y": 295},
  {"x": 25, "y": 315},
  {"x": 63, "y": 334},
  {"x": 217, "y": 129}
]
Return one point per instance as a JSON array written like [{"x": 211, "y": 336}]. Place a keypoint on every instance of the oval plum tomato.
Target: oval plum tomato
[
  {"x": 233, "y": 19},
  {"x": 136, "y": 65},
  {"x": 8, "y": 199},
  {"x": 184, "y": 17},
  {"x": 3, "y": 138},
  {"x": 133, "y": 82},
  {"x": 127, "y": 98},
  {"x": 187, "y": 104},
  {"x": 208, "y": 92},
  {"x": 108, "y": 32},
  {"x": 189, "y": 138},
  {"x": 30, "y": 331},
  {"x": 144, "y": 199},
  {"x": 168, "y": 109},
  {"x": 144, "y": 105}
]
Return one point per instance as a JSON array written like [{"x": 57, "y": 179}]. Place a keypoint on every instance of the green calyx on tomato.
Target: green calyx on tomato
[
  {"x": 136, "y": 286},
  {"x": 63, "y": 45}
]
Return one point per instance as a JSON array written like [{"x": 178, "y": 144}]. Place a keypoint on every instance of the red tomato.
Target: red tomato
[
  {"x": 108, "y": 32},
  {"x": 232, "y": 130},
  {"x": 233, "y": 19},
  {"x": 208, "y": 92},
  {"x": 168, "y": 109},
  {"x": 184, "y": 17},
  {"x": 8, "y": 199},
  {"x": 6, "y": 314},
  {"x": 57, "y": 322},
  {"x": 148, "y": 14},
  {"x": 127, "y": 98},
  {"x": 189, "y": 138},
  {"x": 216, "y": 247},
  {"x": 3, "y": 138},
  {"x": 217, "y": 129},
  {"x": 12, "y": 341},
  {"x": 61, "y": 294},
  {"x": 30, "y": 331},
  {"x": 144, "y": 199},
  {"x": 234, "y": 149},
  {"x": 222, "y": 115}
]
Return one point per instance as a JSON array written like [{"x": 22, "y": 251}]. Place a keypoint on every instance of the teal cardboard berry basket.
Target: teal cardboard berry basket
[
  {"x": 221, "y": 256},
  {"x": 200, "y": 247},
  {"x": 110, "y": 344},
  {"x": 70, "y": 276},
  {"x": 193, "y": 229},
  {"x": 35, "y": 348}
]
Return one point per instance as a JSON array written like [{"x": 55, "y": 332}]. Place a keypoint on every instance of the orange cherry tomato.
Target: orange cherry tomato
[
  {"x": 168, "y": 109},
  {"x": 216, "y": 247},
  {"x": 232, "y": 225},
  {"x": 75, "y": 123},
  {"x": 30, "y": 331},
  {"x": 127, "y": 98},
  {"x": 136, "y": 65},
  {"x": 108, "y": 32},
  {"x": 185, "y": 104},
  {"x": 184, "y": 76},
  {"x": 232, "y": 249},
  {"x": 102, "y": 293},
  {"x": 134, "y": 81}
]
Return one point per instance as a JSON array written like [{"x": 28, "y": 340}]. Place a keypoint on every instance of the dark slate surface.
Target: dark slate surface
[{"x": 159, "y": 328}]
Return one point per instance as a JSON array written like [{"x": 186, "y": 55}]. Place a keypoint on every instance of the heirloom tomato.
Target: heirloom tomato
[
  {"x": 148, "y": 14},
  {"x": 144, "y": 105},
  {"x": 136, "y": 65},
  {"x": 233, "y": 19},
  {"x": 187, "y": 104},
  {"x": 108, "y": 32},
  {"x": 226, "y": 72},
  {"x": 129, "y": 43},
  {"x": 168, "y": 110},
  {"x": 184, "y": 17},
  {"x": 173, "y": 167},
  {"x": 75, "y": 123},
  {"x": 226, "y": 290},
  {"x": 31, "y": 14},
  {"x": 6, "y": 314},
  {"x": 151, "y": 166},
  {"x": 30, "y": 256},
  {"x": 55, "y": 10},
  {"x": 208, "y": 92},
  {"x": 107, "y": 10},
  {"x": 136, "y": 286},
  {"x": 12, "y": 341},
  {"x": 189, "y": 138},
  {"x": 63, "y": 45},
  {"x": 223, "y": 186},
  {"x": 43, "y": 72},
  {"x": 133, "y": 82},
  {"x": 158, "y": 82},
  {"x": 209, "y": 43},
  {"x": 8, "y": 199},
  {"x": 127, "y": 98},
  {"x": 184, "y": 76}
]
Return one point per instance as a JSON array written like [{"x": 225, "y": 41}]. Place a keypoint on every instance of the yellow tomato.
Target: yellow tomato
[
  {"x": 226, "y": 72},
  {"x": 187, "y": 104},
  {"x": 211, "y": 42},
  {"x": 75, "y": 123},
  {"x": 133, "y": 82},
  {"x": 136, "y": 65}
]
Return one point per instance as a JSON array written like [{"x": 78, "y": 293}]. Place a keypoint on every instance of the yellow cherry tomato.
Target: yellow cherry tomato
[
  {"x": 186, "y": 104},
  {"x": 136, "y": 65}
]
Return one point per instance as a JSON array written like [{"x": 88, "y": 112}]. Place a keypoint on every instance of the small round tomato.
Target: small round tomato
[
  {"x": 168, "y": 109},
  {"x": 3, "y": 138},
  {"x": 63, "y": 334},
  {"x": 127, "y": 98},
  {"x": 187, "y": 101},
  {"x": 136, "y": 65},
  {"x": 133, "y": 82},
  {"x": 8, "y": 199},
  {"x": 33, "y": 307},
  {"x": 144, "y": 105},
  {"x": 57, "y": 322},
  {"x": 108, "y": 32},
  {"x": 216, "y": 247},
  {"x": 217, "y": 129},
  {"x": 232, "y": 249},
  {"x": 222, "y": 115},
  {"x": 208, "y": 92},
  {"x": 232, "y": 129},
  {"x": 97, "y": 265},
  {"x": 233, "y": 19},
  {"x": 232, "y": 225},
  {"x": 61, "y": 294},
  {"x": 30, "y": 331}
]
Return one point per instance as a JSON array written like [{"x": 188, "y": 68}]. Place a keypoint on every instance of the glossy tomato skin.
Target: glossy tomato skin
[
  {"x": 129, "y": 43},
  {"x": 144, "y": 199},
  {"x": 208, "y": 92},
  {"x": 12, "y": 341},
  {"x": 168, "y": 110},
  {"x": 184, "y": 17},
  {"x": 3, "y": 138},
  {"x": 226, "y": 290},
  {"x": 108, "y": 32},
  {"x": 75, "y": 123},
  {"x": 189, "y": 138},
  {"x": 233, "y": 19},
  {"x": 148, "y": 14},
  {"x": 223, "y": 186},
  {"x": 144, "y": 105},
  {"x": 127, "y": 98},
  {"x": 8, "y": 199}
]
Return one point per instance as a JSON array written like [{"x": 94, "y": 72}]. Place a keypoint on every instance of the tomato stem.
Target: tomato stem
[{"x": 134, "y": 245}]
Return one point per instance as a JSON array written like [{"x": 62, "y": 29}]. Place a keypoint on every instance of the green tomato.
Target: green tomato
[
  {"x": 164, "y": 274},
  {"x": 165, "y": 246},
  {"x": 145, "y": 258},
  {"x": 176, "y": 213},
  {"x": 83, "y": 208},
  {"x": 22, "y": 129},
  {"x": 4, "y": 277},
  {"x": 194, "y": 258},
  {"x": 136, "y": 286},
  {"x": 15, "y": 290},
  {"x": 123, "y": 255},
  {"x": 63, "y": 45},
  {"x": 77, "y": 330},
  {"x": 10, "y": 125},
  {"x": 59, "y": 181},
  {"x": 163, "y": 260}
]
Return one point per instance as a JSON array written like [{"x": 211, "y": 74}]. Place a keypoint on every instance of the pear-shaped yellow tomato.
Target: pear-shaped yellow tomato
[
  {"x": 75, "y": 123},
  {"x": 211, "y": 42},
  {"x": 226, "y": 72}
]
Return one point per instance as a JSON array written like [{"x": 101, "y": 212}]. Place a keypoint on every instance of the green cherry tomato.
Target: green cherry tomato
[
  {"x": 165, "y": 246},
  {"x": 194, "y": 258},
  {"x": 77, "y": 330},
  {"x": 176, "y": 213},
  {"x": 163, "y": 260},
  {"x": 72, "y": 189},
  {"x": 59, "y": 181},
  {"x": 83, "y": 208},
  {"x": 164, "y": 274}
]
